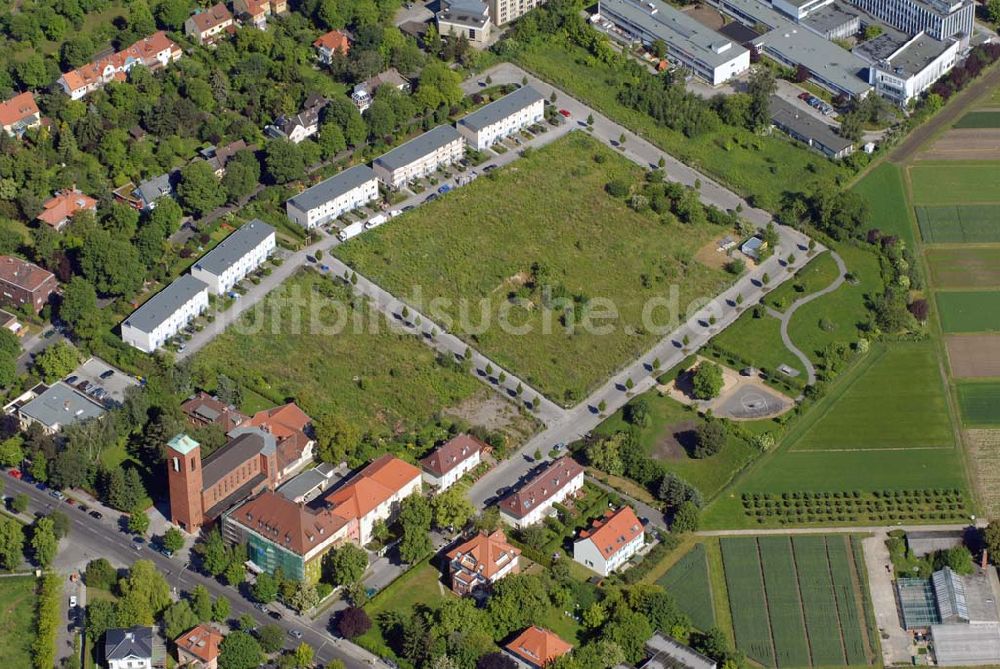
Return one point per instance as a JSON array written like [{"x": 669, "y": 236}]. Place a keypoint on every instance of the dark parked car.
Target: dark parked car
[
  {"x": 108, "y": 374},
  {"x": 96, "y": 514},
  {"x": 71, "y": 380},
  {"x": 274, "y": 614}
]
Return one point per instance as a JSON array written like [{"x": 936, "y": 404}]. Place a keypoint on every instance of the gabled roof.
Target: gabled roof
[
  {"x": 451, "y": 454},
  {"x": 165, "y": 303},
  {"x": 332, "y": 188},
  {"x": 201, "y": 641},
  {"x": 17, "y": 109},
  {"x": 333, "y": 41},
  {"x": 556, "y": 476},
  {"x": 234, "y": 247},
  {"x": 64, "y": 204},
  {"x": 418, "y": 147},
  {"x": 498, "y": 110},
  {"x": 372, "y": 486},
  {"x": 294, "y": 527},
  {"x": 135, "y": 642},
  {"x": 282, "y": 421},
  {"x": 143, "y": 51},
  {"x": 485, "y": 554},
  {"x": 21, "y": 273},
  {"x": 614, "y": 531},
  {"x": 206, "y": 408},
  {"x": 538, "y": 646},
  {"x": 244, "y": 444},
  {"x": 154, "y": 188},
  {"x": 214, "y": 16}
]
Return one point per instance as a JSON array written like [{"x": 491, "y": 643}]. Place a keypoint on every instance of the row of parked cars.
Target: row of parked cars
[
  {"x": 817, "y": 103},
  {"x": 92, "y": 389},
  {"x": 55, "y": 494}
]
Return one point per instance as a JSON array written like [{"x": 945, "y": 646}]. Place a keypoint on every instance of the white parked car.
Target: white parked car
[{"x": 72, "y": 601}]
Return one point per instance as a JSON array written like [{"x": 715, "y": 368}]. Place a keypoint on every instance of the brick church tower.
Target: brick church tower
[{"x": 184, "y": 482}]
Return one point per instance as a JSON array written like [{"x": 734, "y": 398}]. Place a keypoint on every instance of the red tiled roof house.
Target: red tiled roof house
[
  {"x": 480, "y": 562},
  {"x": 25, "y": 284},
  {"x": 293, "y": 430},
  {"x": 204, "y": 409},
  {"x": 63, "y": 206},
  {"x": 536, "y": 647},
  {"x": 450, "y": 461},
  {"x": 19, "y": 113},
  {"x": 610, "y": 541},
  {"x": 331, "y": 43},
  {"x": 206, "y": 26},
  {"x": 154, "y": 52},
  {"x": 374, "y": 493},
  {"x": 556, "y": 482},
  {"x": 198, "y": 648}
]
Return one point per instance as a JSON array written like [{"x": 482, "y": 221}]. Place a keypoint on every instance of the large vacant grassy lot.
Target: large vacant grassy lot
[
  {"x": 898, "y": 403},
  {"x": 380, "y": 381},
  {"x": 964, "y": 267},
  {"x": 883, "y": 189},
  {"x": 17, "y": 628},
  {"x": 955, "y": 182},
  {"x": 971, "y": 311},
  {"x": 543, "y": 225}
]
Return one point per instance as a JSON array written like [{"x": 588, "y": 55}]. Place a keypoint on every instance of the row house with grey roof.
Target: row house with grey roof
[
  {"x": 236, "y": 256},
  {"x": 350, "y": 189},
  {"x": 165, "y": 314}
]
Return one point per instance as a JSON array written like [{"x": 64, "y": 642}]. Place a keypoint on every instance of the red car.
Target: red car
[
  {"x": 804, "y": 96},
  {"x": 16, "y": 473},
  {"x": 564, "y": 112}
]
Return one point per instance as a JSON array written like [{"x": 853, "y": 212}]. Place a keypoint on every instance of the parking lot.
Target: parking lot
[{"x": 95, "y": 373}]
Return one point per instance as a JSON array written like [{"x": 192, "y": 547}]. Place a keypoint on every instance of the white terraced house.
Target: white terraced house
[
  {"x": 420, "y": 156},
  {"x": 164, "y": 314},
  {"x": 236, "y": 256},
  {"x": 532, "y": 503},
  {"x": 502, "y": 118},
  {"x": 352, "y": 188}
]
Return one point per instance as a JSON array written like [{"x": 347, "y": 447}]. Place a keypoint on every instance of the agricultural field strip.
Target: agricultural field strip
[
  {"x": 747, "y": 602},
  {"x": 818, "y": 601},
  {"x": 784, "y": 603},
  {"x": 861, "y": 578},
  {"x": 688, "y": 581},
  {"x": 845, "y": 589}
]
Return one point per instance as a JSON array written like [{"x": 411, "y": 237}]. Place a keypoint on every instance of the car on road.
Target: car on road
[
  {"x": 489, "y": 168},
  {"x": 164, "y": 551},
  {"x": 431, "y": 197},
  {"x": 108, "y": 374},
  {"x": 444, "y": 189},
  {"x": 295, "y": 633},
  {"x": 16, "y": 473},
  {"x": 325, "y": 268},
  {"x": 57, "y": 495},
  {"x": 96, "y": 515},
  {"x": 565, "y": 112},
  {"x": 263, "y": 608},
  {"x": 274, "y": 614},
  {"x": 137, "y": 547}
]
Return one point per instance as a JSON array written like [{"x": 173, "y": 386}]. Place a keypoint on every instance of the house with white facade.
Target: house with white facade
[
  {"x": 610, "y": 541},
  {"x": 559, "y": 480},
  {"x": 236, "y": 256},
  {"x": 154, "y": 52},
  {"x": 502, "y": 117},
  {"x": 19, "y": 114},
  {"x": 164, "y": 314},
  {"x": 350, "y": 189},
  {"x": 913, "y": 68},
  {"x": 131, "y": 648},
  {"x": 451, "y": 461},
  {"x": 420, "y": 156},
  {"x": 475, "y": 565},
  {"x": 374, "y": 494},
  {"x": 469, "y": 18},
  {"x": 207, "y": 25},
  {"x": 301, "y": 126}
]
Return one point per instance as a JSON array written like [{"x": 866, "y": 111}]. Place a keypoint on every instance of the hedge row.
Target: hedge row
[{"x": 46, "y": 622}]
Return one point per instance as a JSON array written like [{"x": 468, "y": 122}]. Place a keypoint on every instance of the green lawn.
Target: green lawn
[
  {"x": 17, "y": 627},
  {"x": 964, "y": 266},
  {"x": 545, "y": 220},
  {"x": 899, "y": 402},
  {"x": 757, "y": 341},
  {"x": 883, "y": 189},
  {"x": 819, "y": 273},
  {"x": 979, "y": 119},
  {"x": 955, "y": 182},
  {"x": 380, "y": 381},
  {"x": 688, "y": 582},
  {"x": 759, "y": 168},
  {"x": 835, "y": 317},
  {"x": 972, "y": 311},
  {"x": 979, "y": 403},
  {"x": 666, "y": 415}
]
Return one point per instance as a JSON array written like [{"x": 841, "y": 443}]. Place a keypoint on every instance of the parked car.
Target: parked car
[
  {"x": 394, "y": 213},
  {"x": 73, "y": 379},
  {"x": 274, "y": 614},
  {"x": 431, "y": 197},
  {"x": 72, "y": 601},
  {"x": 84, "y": 385},
  {"x": 489, "y": 168},
  {"x": 16, "y": 473},
  {"x": 408, "y": 207},
  {"x": 804, "y": 96},
  {"x": 108, "y": 374},
  {"x": 295, "y": 633},
  {"x": 565, "y": 112},
  {"x": 444, "y": 189},
  {"x": 96, "y": 515},
  {"x": 83, "y": 507},
  {"x": 325, "y": 268},
  {"x": 41, "y": 486},
  {"x": 58, "y": 495}
]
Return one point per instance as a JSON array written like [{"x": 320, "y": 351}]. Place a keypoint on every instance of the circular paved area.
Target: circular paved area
[{"x": 751, "y": 401}]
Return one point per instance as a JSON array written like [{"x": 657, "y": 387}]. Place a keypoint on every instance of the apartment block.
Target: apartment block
[
  {"x": 938, "y": 18},
  {"x": 451, "y": 461},
  {"x": 375, "y": 493},
  {"x": 350, "y": 189},
  {"x": 502, "y": 117},
  {"x": 236, "y": 256},
  {"x": 154, "y": 52},
  {"x": 505, "y": 11},
  {"x": 23, "y": 283},
  {"x": 420, "y": 156},
  {"x": 558, "y": 481},
  {"x": 708, "y": 54},
  {"x": 913, "y": 68},
  {"x": 164, "y": 314},
  {"x": 468, "y": 18}
]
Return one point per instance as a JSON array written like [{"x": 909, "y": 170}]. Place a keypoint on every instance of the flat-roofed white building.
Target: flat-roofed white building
[
  {"x": 420, "y": 156},
  {"x": 352, "y": 188},
  {"x": 913, "y": 68},
  {"x": 502, "y": 117},
  {"x": 798, "y": 9},
  {"x": 236, "y": 256},
  {"x": 708, "y": 54},
  {"x": 164, "y": 314},
  {"x": 938, "y": 18}
]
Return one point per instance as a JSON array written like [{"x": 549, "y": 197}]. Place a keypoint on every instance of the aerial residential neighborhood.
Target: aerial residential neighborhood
[{"x": 499, "y": 334}]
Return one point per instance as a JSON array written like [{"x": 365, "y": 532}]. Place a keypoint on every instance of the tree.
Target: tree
[
  {"x": 303, "y": 597},
  {"x": 111, "y": 264},
  {"x": 284, "y": 161},
  {"x": 272, "y": 638},
  {"x": 138, "y": 522},
  {"x": 220, "y": 610},
  {"x": 347, "y": 564},
  {"x": 438, "y": 85},
  {"x": 353, "y": 622},
  {"x": 707, "y": 381},
  {"x": 685, "y": 518},
  {"x": 199, "y": 190},
  {"x": 19, "y": 503},
  {"x": 173, "y": 540},
  {"x": 496, "y": 660},
  {"x": 239, "y": 650},
  {"x": 215, "y": 558},
  {"x": 594, "y": 616},
  {"x": 605, "y": 454},
  {"x": 851, "y": 127},
  {"x": 991, "y": 537},
  {"x": 920, "y": 309},
  {"x": 336, "y": 437},
  {"x": 56, "y": 361},
  {"x": 145, "y": 588},
  {"x": 44, "y": 543},
  {"x": 760, "y": 88},
  {"x": 958, "y": 558},
  {"x": 60, "y": 524},
  {"x": 123, "y": 489},
  {"x": 710, "y": 438},
  {"x": 265, "y": 589},
  {"x": 242, "y": 176},
  {"x": 993, "y": 11},
  {"x": 11, "y": 543},
  {"x": 179, "y": 618},
  {"x": 79, "y": 307},
  {"x": 451, "y": 509},
  {"x": 415, "y": 517},
  {"x": 11, "y": 453},
  {"x": 100, "y": 574},
  {"x": 629, "y": 630},
  {"x": 303, "y": 655},
  {"x": 201, "y": 603}
]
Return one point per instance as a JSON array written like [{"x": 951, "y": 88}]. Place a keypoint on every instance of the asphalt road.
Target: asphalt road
[{"x": 90, "y": 538}]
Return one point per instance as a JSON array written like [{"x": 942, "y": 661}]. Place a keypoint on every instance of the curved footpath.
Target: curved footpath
[{"x": 786, "y": 317}]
